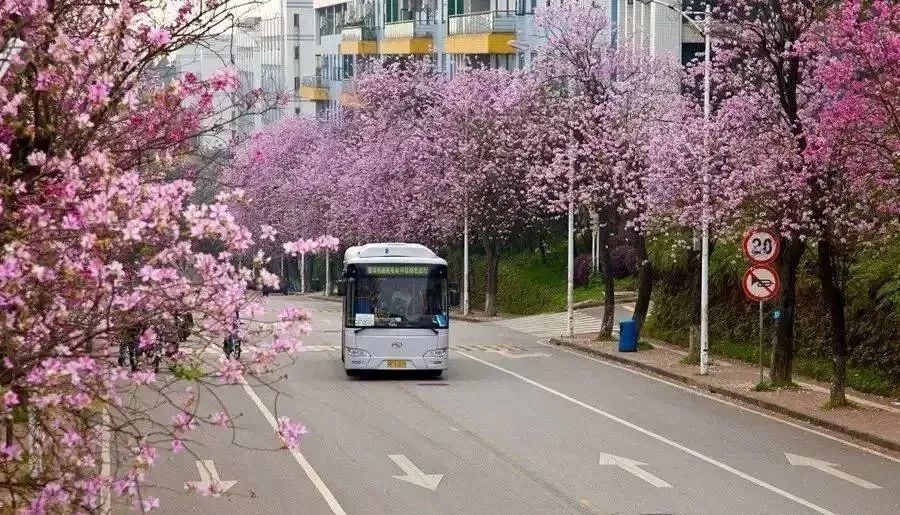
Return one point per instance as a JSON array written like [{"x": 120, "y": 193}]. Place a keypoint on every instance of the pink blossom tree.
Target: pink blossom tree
[
  {"x": 481, "y": 137},
  {"x": 100, "y": 249},
  {"x": 600, "y": 105},
  {"x": 775, "y": 156}
]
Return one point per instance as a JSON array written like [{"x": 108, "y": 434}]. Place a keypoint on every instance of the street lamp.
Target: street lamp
[
  {"x": 570, "y": 251},
  {"x": 704, "y": 29}
]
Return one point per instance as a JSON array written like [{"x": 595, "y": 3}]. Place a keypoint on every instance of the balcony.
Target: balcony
[
  {"x": 313, "y": 88},
  {"x": 481, "y": 33},
  {"x": 407, "y": 38},
  {"x": 358, "y": 40}
]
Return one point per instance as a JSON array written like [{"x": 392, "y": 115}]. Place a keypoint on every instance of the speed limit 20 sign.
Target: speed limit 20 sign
[{"x": 761, "y": 246}]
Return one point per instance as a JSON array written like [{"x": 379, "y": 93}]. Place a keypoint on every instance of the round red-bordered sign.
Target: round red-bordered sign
[
  {"x": 761, "y": 283},
  {"x": 761, "y": 246}
]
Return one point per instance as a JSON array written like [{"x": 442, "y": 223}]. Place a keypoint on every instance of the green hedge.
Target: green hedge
[{"x": 873, "y": 313}]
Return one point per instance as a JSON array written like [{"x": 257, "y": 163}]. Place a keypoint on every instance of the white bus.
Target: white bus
[{"x": 396, "y": 312}]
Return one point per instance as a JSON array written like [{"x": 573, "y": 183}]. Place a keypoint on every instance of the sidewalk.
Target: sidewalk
[{"x": 873, "y": 419}]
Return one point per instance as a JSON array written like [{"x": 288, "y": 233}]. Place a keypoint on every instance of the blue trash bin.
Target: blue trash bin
[{"x": 627, "y": 336}]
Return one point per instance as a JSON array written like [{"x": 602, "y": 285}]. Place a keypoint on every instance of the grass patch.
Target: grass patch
[
  {"x": 845, "y": 404},
  {"x": 690, "y": 359},
  {"x": 529, "y": 286},
  {"x": 861, "y": 379},
  {"x": 764, "y": 386},
  {"x": 642, "y": 345}
]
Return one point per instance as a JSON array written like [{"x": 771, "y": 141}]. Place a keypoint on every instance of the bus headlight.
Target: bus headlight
[
  {"x": 357, "y": 353},
  {"x": 436, "y": 353}
]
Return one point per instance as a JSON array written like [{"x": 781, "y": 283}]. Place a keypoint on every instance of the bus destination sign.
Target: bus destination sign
[{"x": 397, "y": 270}]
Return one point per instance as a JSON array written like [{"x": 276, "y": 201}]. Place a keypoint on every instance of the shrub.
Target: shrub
[
  {"x": 582, "y": 270},
  {"x": 624, "y": 261}
]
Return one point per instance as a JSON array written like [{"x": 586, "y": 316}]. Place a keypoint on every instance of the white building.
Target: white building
[
  {"x": 495, "y": 33},
  {"x": 265, "y": 46}
]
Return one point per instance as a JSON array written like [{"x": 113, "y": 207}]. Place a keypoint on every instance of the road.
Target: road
[{"x": 514, "y": 427}]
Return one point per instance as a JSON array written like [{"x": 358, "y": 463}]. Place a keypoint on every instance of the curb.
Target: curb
[
  {"x": 467, "y": 319},
  {"x": 770, "y": 406},
  {"x": 333, "y": 298}
]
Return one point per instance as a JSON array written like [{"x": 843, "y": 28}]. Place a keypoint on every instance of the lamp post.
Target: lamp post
[
  {"x": 570, "y": 251},
  {"x": 702, "y": 28}
]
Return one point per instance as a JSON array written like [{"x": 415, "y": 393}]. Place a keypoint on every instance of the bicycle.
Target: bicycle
[{"x": 232, "y": 343}]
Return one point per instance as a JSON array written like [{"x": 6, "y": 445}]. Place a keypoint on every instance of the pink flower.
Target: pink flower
[
  {"x": 159, "y": 36},
  {"x": 11, "y": 452},
  {"x": 230, "y": 371},
  {"x": 267, "y": 232},
  {"x": 149, "y": 503},
  {"x": 290, "y": 432},
  {"x": 225, "y": 79},
  {"x": 177, "y": 446},
  {"x": 98, "y": 92},
  {"x": 183, "y": 421},
  {"x": 220, "y": 419},
  {"x": 10, "y": 399}
]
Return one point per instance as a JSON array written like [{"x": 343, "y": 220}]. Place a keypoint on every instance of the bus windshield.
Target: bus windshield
[{"x": 405, "y": 296}]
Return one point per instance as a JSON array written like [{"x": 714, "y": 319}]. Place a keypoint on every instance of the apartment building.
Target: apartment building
[
  {"x": 492, "y": 33},
  {"x": 653, "y": 26}
]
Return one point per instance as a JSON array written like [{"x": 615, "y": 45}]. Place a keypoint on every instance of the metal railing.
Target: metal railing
[
  {"x": 408, "y": 29},
  {"x": 313, "y": 81},
  {"x": 483, "y": 22},
  {"x": 359, "y": 33}
]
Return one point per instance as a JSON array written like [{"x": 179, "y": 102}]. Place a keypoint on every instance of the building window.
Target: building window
[
  {"x": 296, "y": 53},
  {"x": 296, "y": 20}
]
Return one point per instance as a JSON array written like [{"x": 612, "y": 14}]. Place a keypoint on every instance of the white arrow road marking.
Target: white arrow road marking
[
  {"x": 209, "y": 479},
  {"x": 828, "y": 468},
  {"x": 507, "y": 354},
  {"x": 415, "y": 475},
  {"x": 634, "y": 468},
  {"x": 656, "y": 436}
]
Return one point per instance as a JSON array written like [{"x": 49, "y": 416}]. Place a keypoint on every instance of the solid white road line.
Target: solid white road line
[
  {"x": 658, "y": 437},
  {"x": 298, "y": 457},
  {"x": 726, "y": 402}
]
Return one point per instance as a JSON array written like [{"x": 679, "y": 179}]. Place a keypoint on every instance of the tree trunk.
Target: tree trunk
[
  {"x": 783, "y": 353},
  {"x": 645, "y": 283},
  {"x": 492, "y": 259},
  {"x": 609, "y": 283},
  {"x": 833, "y": 296}
]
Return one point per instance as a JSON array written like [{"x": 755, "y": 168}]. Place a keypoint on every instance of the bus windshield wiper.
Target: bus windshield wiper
[{"x": 356, "y": 331}]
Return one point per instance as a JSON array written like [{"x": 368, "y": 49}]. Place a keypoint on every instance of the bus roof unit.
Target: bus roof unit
[{"x": 392, "y": 253}]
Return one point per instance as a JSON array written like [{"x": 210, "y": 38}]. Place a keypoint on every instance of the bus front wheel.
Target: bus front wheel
[{"x": 352, "y": 372}]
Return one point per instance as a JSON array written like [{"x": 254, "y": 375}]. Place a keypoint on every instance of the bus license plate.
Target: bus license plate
[{"x": 396, "y": 363}]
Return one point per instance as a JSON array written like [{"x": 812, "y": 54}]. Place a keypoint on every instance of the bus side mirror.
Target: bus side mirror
[
  {"x": 454, "y": 297},
  {"x": 341, "y": 288}
]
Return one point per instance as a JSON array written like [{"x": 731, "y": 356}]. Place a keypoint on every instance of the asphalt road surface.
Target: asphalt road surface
[{"x": 513, "y": 427}]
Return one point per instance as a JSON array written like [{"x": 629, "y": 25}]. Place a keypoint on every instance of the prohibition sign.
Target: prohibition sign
[{"x": 761, "y": 283}]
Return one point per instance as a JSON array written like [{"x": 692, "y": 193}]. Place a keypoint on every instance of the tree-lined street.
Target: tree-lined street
[
  {"x": 489, "y": 438},
  {"x": 159, "y": 181}
]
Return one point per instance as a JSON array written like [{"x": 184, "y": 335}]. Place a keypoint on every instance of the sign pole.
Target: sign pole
[{"x": 761, "y": 342}]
